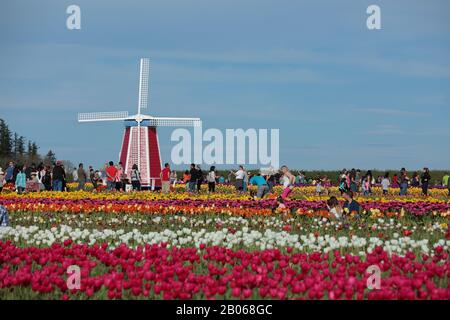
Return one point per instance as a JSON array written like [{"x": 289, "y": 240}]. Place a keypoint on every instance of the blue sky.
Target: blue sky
[{"x": 341, "y": 95}]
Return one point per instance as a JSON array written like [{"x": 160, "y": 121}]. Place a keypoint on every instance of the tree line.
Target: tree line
[{"x": 15, "y": 147}]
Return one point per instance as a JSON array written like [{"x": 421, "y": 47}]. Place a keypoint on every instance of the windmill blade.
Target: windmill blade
[
  {"x": 143, "y": 84},
  {"x": 175, "y": 122},
  {"x": 102, "y": 116}
]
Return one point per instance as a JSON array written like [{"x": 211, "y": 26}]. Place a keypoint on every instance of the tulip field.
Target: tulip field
[{"x": 148, "y": 245}]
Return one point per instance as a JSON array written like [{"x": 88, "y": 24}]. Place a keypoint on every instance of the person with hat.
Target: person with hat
[{"x": 58, "y": 176}]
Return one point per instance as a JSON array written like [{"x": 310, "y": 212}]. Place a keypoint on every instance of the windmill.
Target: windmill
[{"x": 140, "y": 143}]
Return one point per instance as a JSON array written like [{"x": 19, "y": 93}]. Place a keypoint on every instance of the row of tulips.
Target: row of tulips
[
  {"x": 307, "y": 193},
  {"x": 358, "y": 241},
  {"x": 159, "y": 272},
  {"x": 224, "y": 206},
  {"x": 300, "y": 189}
]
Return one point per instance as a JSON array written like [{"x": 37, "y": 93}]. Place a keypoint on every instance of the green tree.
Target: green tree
[
  {"x": 5, "y": 140},
  {"x": 50, "y": 158},
  {"x": 34, "y": 149},
  {"x": 21, "y": 146}
]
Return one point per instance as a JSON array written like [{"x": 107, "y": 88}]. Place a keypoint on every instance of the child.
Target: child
[
  {"x": 366, "y": 185},
  {"x": 281, "y": 207},
  {"x": 334, "y": 208},
  {"x": 385, "y": 183},
  {"x": 288, "y": 182},
  {"x": 319, "y": 186}
]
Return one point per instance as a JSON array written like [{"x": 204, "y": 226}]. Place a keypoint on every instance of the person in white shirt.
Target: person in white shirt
[
  {"x": 75, "y": 174},
  {"x": 240, "y": 174},
  {"x": 211, "y": 179},
  {"x": 386, "y": 183}
]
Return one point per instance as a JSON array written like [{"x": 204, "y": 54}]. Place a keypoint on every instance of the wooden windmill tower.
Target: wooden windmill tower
[{"x": 140, "y": 143}]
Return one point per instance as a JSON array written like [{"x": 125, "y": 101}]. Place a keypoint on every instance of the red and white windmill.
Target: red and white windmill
[{"x": 140, "y": 143}]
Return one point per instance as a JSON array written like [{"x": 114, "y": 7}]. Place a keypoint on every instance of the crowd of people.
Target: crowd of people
[
  {"x": 352, "y": 180},
  {"x": 113, "y": 177}
]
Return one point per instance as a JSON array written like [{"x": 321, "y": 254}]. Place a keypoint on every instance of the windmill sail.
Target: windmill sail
[
  {"x": 102, "y": 116},
  {"x": 175, "y": 122},
  {"x": 143, "y": 84}
]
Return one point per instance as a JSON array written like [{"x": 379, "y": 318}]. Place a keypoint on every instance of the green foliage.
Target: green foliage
[{"x": 14, "y": 147}]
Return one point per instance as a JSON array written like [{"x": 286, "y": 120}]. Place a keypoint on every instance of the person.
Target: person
[
  {"x": 385, "y": 183},
  {"x": 334, "y": 208},
  {"x": 15, "y": 172},
  {"x": 29, "y": 170},
  {"x": 403, "y": 182},
  {"x": 351, "y": 206},
  {"x": 297, "y": 178},
  {"x": 93, "y": 177},
  {"x": 100, "y": 180},
  {"x": 9, "y": 173},
  {"x": 173, "y": 178},
  {"x": 263, "y": 188},
  {"x": 199, "y": 178},
  {"x": 319, "y": 186},
  {"x": 165, "y": 178},
  {"x": 4, "y": 219},
  {"x": 81, "y": 177},
  {"x": 47, "y": 179},
  {"x": 33, "y": 183},
  {"x": 2, "y": 179},
  {"x": 415, "y": 180},
  {"x": 448, "y": 187},
  {"x": 445, "y": 180},
  {"x": 40, "y": 176},
  {"x": 425, "y": 180},
  {"x": 343, "y": 182},
  {"x": 240, "y": 174},
  {"x": 186, "y": 178},
  {"x": 75, "y": 175},
  {"x": 118, "y": 178},
  {"x": 288, "y": 182},
  {"x": 246, "y": 180},
  {"x": 64, "y": 180},
  {"x": 358, "y": 178},
  {"x": 371, "y": 179},
  {"x": 365, "y": 185},
  {"x": 221, "y": 179},
  {"x": 395, "y": 181},
  {"x": 58, "y": 176},
  {"x": 21, "y": 180},
  {"x": 270, "y": 178},
  {"x": 353, "y": 183},
  {"x": 211, "y": 179},
  {"x": 111, "y": 172},
  {"x": 135, "y": 178},
  {"x": 281, "y": 206},
  {"x": 193, "y": 178}
]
